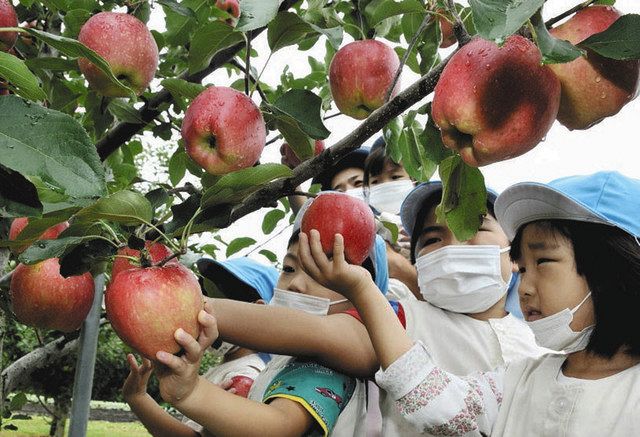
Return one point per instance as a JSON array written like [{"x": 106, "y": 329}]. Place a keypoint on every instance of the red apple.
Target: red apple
[
  {"x": 289, "y": 157},
  {"x": 494, "y": 103},
  {"x": 127, "y": 45},
  {"x": 593, "y": 87},
  {"x": 146, "y": 305},
  {"x": 18, "y": 225},
  {"x": 446, "y": 28},
  {"x": 223, "y": 130},
  {"x": 232, "y": 7},
  {"x": 340, "y": 213},
  {"x": 8, "y": 18},
  {"x": 157, "y": 252},
  {"x": 242, "y": 385},
  {"x": 360, "y": 75},
  {"x": 42, "y": 298}
]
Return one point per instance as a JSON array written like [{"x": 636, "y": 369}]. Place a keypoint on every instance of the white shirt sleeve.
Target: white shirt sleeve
[{"x": 439, "y": 403}]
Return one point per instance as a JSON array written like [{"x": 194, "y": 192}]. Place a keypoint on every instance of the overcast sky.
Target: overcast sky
[{"x": 613, "y": 144}]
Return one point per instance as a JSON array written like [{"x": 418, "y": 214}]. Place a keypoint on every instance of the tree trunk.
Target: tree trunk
[{"x": 60, "y": 415}]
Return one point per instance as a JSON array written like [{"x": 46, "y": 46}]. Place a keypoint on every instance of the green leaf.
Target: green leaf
[
  {"x": 52, "y": 64},
  {"x": 181, "y": 88},
  {"x": 239, "y": 244},
  {"x": 233, "y": 187},
  {"x": 74, "y": 20},
  {"x": 179, "y": 27},
  {"x": 620, "y": 41},
  {"x": 37, "y": 226},
  {"x": 391, "y": 133},
  {"x": 50, "y": 145},
  {"x": 304, "y": 107},
  {"x": 178, "y": 8},
  {"x": 464, "y": 197},
  {"x": 18, "y": 196},
  {"x": 393, "y": 229},
  {"x": 75, "y": 49},
  {"x": 285, "y": 30},
  {"x": 88, "y": 256},
  {"x": 20, "y": 78},
  {"x": 269, "y": 255},
  {"x": 125, "y": 112},
  {"x": 334, "y": 34},
  {"x": 126, "y": 207},
  {"x": 379, "y": 10},
  {"x": 209, "y": 40},
  {"x": 271, "y": 220},
  {"x": 297, "y": 139},
  {"x": 497, "y": 19},
  {"x": 256, "y": 13},
  {"x": 177, "y": 165},
  {"x": 18, "y": 401},
  {"x": 45, "y": 249},
  {"x": 554, "y": 51}
]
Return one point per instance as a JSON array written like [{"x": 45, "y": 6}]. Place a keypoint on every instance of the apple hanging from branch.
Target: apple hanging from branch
[{"x": 8, "y": 18}]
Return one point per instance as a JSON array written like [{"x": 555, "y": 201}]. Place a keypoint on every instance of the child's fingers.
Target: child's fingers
[
  {"x": 305, "y": 258},
  {"x": 338, "y": 250},
  {"x": 133, "y": 363},
  {"x": 147, "y": 365},
  {"x": 317, "y": 253},
  {"x": 192, "y": 348},
  {"x": 209, "y": 331},
  {"x": 172, "y": 362}
]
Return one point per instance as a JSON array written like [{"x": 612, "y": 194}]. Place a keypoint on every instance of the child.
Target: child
[
  {"x": 240, "y": 278},
  {"x": 576, "y": 245},
  {"x": 294, "y": 397}
]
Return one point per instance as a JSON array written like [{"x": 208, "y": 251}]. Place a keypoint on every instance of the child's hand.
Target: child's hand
[
  {"x": 178, "y": 376},
  {"x": 336, "y": 274},
  {"x": 136, "y": 383}
]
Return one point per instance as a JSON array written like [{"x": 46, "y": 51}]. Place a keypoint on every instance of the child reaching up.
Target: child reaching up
[{"x": 576, "y": 244}]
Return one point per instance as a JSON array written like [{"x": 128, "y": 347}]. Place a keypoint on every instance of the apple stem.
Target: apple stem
[
  {"x": 565, "y": 14},
  {"x": 169, "y": 258}
]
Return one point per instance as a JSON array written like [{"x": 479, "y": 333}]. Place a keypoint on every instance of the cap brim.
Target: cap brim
[{"x": 527, "y": 202}]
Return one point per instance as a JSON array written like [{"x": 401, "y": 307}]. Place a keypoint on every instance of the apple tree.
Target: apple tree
[{"x": 118, "y": 131}]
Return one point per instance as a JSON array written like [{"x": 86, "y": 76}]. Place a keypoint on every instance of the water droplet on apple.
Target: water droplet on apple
[
  {"x": 543, "y": 139},
  {"x": 488, "y": 66},
  {"x": 475, "y": 89},
  {"x": 467, "y": 63},
  {"x": 603, "y": 96},
  {"x": 469, "y": 53},
  {"x": 598, "y": 79}
]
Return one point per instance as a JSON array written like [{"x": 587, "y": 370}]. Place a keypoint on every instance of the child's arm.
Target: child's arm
[
  {"x": 219, "y": 412},
  {"x": 158, "y": 422}
]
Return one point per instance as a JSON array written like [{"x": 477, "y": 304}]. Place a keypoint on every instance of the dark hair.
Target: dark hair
[
  {"x": 427, "y": 204},
  {"x": 609, "y": 259},
  {"x": 374, "y": 164}
]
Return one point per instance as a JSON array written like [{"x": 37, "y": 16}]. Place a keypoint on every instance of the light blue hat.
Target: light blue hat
[
  {"x": 606, "y": 197},
  {"x": 240, "y": 278}
]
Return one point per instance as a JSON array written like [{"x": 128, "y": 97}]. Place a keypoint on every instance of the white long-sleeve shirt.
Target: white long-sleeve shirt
[{"x": 529, "y": 397}]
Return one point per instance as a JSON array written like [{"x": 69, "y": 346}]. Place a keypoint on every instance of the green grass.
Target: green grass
[{"x": 38, "y": 426}]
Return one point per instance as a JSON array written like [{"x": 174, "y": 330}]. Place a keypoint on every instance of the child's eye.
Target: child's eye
[
  {"x": 357, "y": 183},
  {"x": 429, "y": 241},
  {"x": 395, "y": 177},
  {"x": 543, "y": 260}
]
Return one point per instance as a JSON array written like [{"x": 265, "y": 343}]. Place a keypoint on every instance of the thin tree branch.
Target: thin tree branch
[
  {"x": 240, "y": 67},
  {"x": 327, "y": 117},
  {"x": 273, "y": 140},
  {"x": 565, "y": 14},
  {"x": 247, "y": 61},
  {"x": 458, "y": 26},
  {"x": 122, "y": 132}
]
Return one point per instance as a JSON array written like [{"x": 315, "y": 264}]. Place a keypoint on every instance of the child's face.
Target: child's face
[
  {"x": 390, "y": 172},
  {"x": 293, "y": 278},
  {"x": 347, "y": 179},
  {"x": 549, "y": 281},
  {"x": 435, "y": 235}
]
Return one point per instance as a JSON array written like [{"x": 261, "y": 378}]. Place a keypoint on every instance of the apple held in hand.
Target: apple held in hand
[
  {"x": 339, "y": 213},
  {"x": 242, "y": 385},
  {"x": 232, "y": 7},
  {"x": 42, "y": 298},
  {"x": 593, "y": 87},
  {"x": 8, "y": 18},
  {"x": 494, "y": 103},
  {"x": 290, "y": 159},
  {"x": 18, "y": 225},
  {"x": 146, "y": 305},
  {"x": 127, "y": 45},
  {"x": 223, "y": 130},
  {"x": 360, "y": 75}
]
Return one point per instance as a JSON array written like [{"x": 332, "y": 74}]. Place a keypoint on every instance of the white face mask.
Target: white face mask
[
  {"x": 358, "y": 193},
  {"x": 388, "y": 197},
  {"x": 554, "y": 332},
  {"x": 318, "y": 306},
  {"x": 462, "y": 278}
]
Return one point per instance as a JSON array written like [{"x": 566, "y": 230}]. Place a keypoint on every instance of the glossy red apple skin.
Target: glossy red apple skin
[
  {"x": 446, "y": 28},
  {"x": 242, "y": 385},
  {"x": 128, "y": 47},
  {"x": 339, "y": 213},
  {"x": 157, "y": 252},
  {"x": 42, "y": 298},
  {"x": 232, "y": 7},
  {"x": 494, "y": 103},
  {"x": 18, "y": 225},
  {"x": 593, "y": 87},
  {"x": 8, "y": 18},
  {"x": 223, "y": 130},
  {"x": 360, "y": 75},
  {"x": 290, "y": 159},
  {"x": 146, "y": 305}
]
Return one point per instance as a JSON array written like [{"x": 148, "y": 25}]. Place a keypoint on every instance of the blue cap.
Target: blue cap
[
  {"x": 607, "y": 197},
  {"x": 354, "y": 159},
  {"x": 240, "y": 278}
]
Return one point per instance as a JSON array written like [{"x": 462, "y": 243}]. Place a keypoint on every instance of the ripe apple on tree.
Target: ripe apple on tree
[
  {"x": 146, "y": 305},
  {"x": 340, "y": 213},
  {"x": 18, "y": 225},
  {"x": 8, "y": 18},
  {"x": 127, "y": 45},
  {"x": 223, "y": 130},
  {"x": 289, "y": 157},
  {"x": 360, "y": 75},
  {"x": 593, "y": 87},
  {"x": 232, "y": 7},
  {"x": 156, "y": 252},
  {"x": 494, "y": 103},
  {"x": 41, "y": 297}
]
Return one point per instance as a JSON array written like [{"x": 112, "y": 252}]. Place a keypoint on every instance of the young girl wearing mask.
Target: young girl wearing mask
[{"x": 576, "y": 245}]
